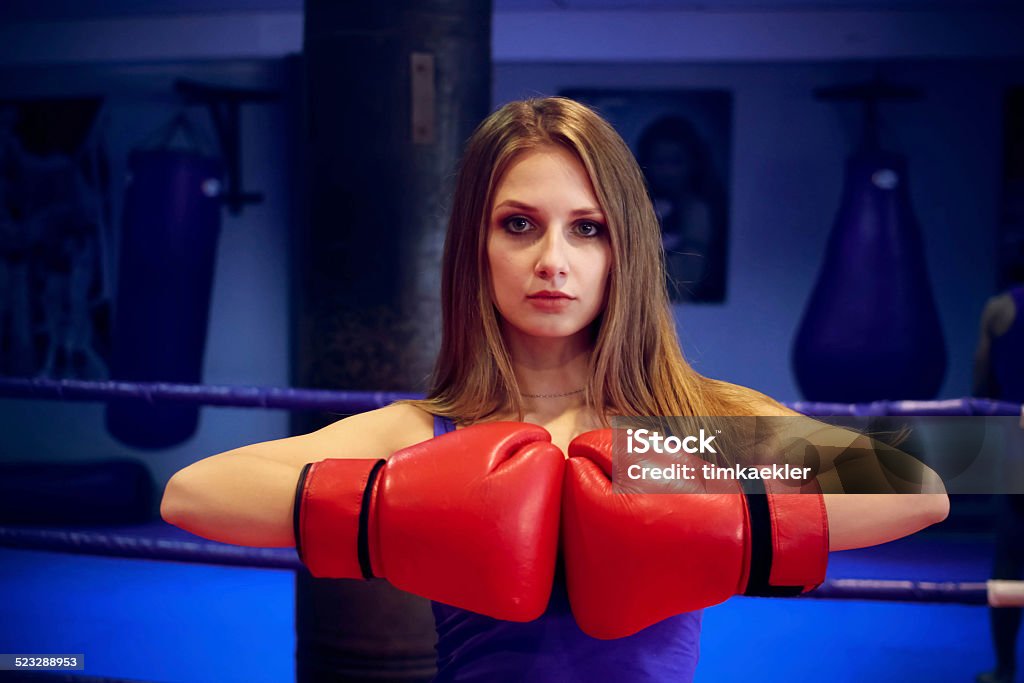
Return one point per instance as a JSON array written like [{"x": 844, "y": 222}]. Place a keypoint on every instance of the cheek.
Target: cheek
[
  {"x": 494, "y": 265},
  {"x": 506, "y": 265},
  {"x": 499, "y": 268},
  {"x": 502, "y": 280}
]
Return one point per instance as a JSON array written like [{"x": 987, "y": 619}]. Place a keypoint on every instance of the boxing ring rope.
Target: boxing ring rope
[
  {"x": 360, "y": 401},
  {"x": 229, "y": 396},
  {"x": 160, "y": 541}
]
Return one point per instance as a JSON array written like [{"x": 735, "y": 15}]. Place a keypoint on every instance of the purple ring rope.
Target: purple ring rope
[
  {"x": 151, "y": 541},
  {"x": 360, "y": 401},
  {"x": 204, "y": 394},
  {"x": 161, "y": 541}
]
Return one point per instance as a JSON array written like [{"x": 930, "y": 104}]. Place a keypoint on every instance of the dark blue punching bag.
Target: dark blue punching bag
[
  {"x": 871, "y": 330},
  {"x": 168, "y": 246}
]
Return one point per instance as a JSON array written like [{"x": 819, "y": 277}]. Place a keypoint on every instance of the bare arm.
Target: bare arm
[
  {"x": 859, "y": 520},
  {"x": 234, "y": 497},
  {"x": 245, "y": 496}
]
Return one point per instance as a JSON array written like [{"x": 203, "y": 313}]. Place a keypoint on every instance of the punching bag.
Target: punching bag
[
  {"x": 871, "y": 330},
  {"x": 377, "y": 176},
  {"x": 168, "y": 246}
]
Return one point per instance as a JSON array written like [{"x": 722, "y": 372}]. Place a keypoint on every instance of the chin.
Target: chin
[
  {"x": 555, "y": 334},
  {"x": 550, "y": 331}
]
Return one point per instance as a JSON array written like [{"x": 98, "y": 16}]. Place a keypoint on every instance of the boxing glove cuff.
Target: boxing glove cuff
[
  {"x": 331, "y": 517},
  {"x": 788, "y": 541}
]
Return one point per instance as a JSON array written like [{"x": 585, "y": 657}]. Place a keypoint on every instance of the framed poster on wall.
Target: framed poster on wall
[{"x": 682, "y": 140}]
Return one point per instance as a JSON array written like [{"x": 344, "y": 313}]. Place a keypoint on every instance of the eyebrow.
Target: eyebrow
[{"x": 514, "y": 204}]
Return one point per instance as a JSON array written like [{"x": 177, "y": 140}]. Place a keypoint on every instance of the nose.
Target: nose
[{"x": 553, "y": 259}]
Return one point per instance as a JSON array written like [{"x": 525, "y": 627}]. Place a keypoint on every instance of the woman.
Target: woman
[{"x": 555, "y": 314}]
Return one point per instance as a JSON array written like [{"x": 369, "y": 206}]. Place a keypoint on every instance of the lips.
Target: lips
[
  {"x": 550, "y": 302},
  {"x": 549, "y": 295}
]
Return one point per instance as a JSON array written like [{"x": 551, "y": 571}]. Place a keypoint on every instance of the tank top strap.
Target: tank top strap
[{"x": 443, "y": 425}]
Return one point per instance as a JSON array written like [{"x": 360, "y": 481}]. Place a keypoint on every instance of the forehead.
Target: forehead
[{"x": 543, "y": 169}]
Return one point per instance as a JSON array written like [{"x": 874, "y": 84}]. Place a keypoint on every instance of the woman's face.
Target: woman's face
[{"x": 547, "y": 245}]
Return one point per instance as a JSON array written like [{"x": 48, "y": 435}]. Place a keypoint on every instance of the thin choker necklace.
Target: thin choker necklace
[{"x": 568, "y": 393}]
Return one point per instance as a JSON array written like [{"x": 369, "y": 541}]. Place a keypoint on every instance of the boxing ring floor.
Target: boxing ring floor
[{"x": 150, "y": 620}]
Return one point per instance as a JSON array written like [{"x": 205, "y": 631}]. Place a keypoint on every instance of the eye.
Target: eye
[
  {"x": 590, "y": 229},
  {"x": 516, "y": 225}
]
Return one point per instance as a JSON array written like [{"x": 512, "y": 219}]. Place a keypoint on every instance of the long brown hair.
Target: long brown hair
[{"x": 636, "y": 367}]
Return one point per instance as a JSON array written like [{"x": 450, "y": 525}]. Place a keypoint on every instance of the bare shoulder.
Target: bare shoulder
[{"x": 373, "y": 434}]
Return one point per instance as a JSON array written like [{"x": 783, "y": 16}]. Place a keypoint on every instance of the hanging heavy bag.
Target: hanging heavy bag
[
  {"x": 871, "y": 330},
  {"x": 168, "y": 245}
]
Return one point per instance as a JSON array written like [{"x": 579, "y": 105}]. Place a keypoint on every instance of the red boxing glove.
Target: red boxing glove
[
  {"x": 469, "y": 518},
  {"x": 632, "y": 560}
]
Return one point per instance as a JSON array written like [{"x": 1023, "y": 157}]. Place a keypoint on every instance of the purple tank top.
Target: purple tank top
[
  {"x": 472, "y": 647},
  {"x": 1007, "y": 354}
]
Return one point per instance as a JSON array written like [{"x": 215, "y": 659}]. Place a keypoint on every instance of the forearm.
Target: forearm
[
  {"x": 235, "y": 497},
  {"x": 860, "y": 520}
]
